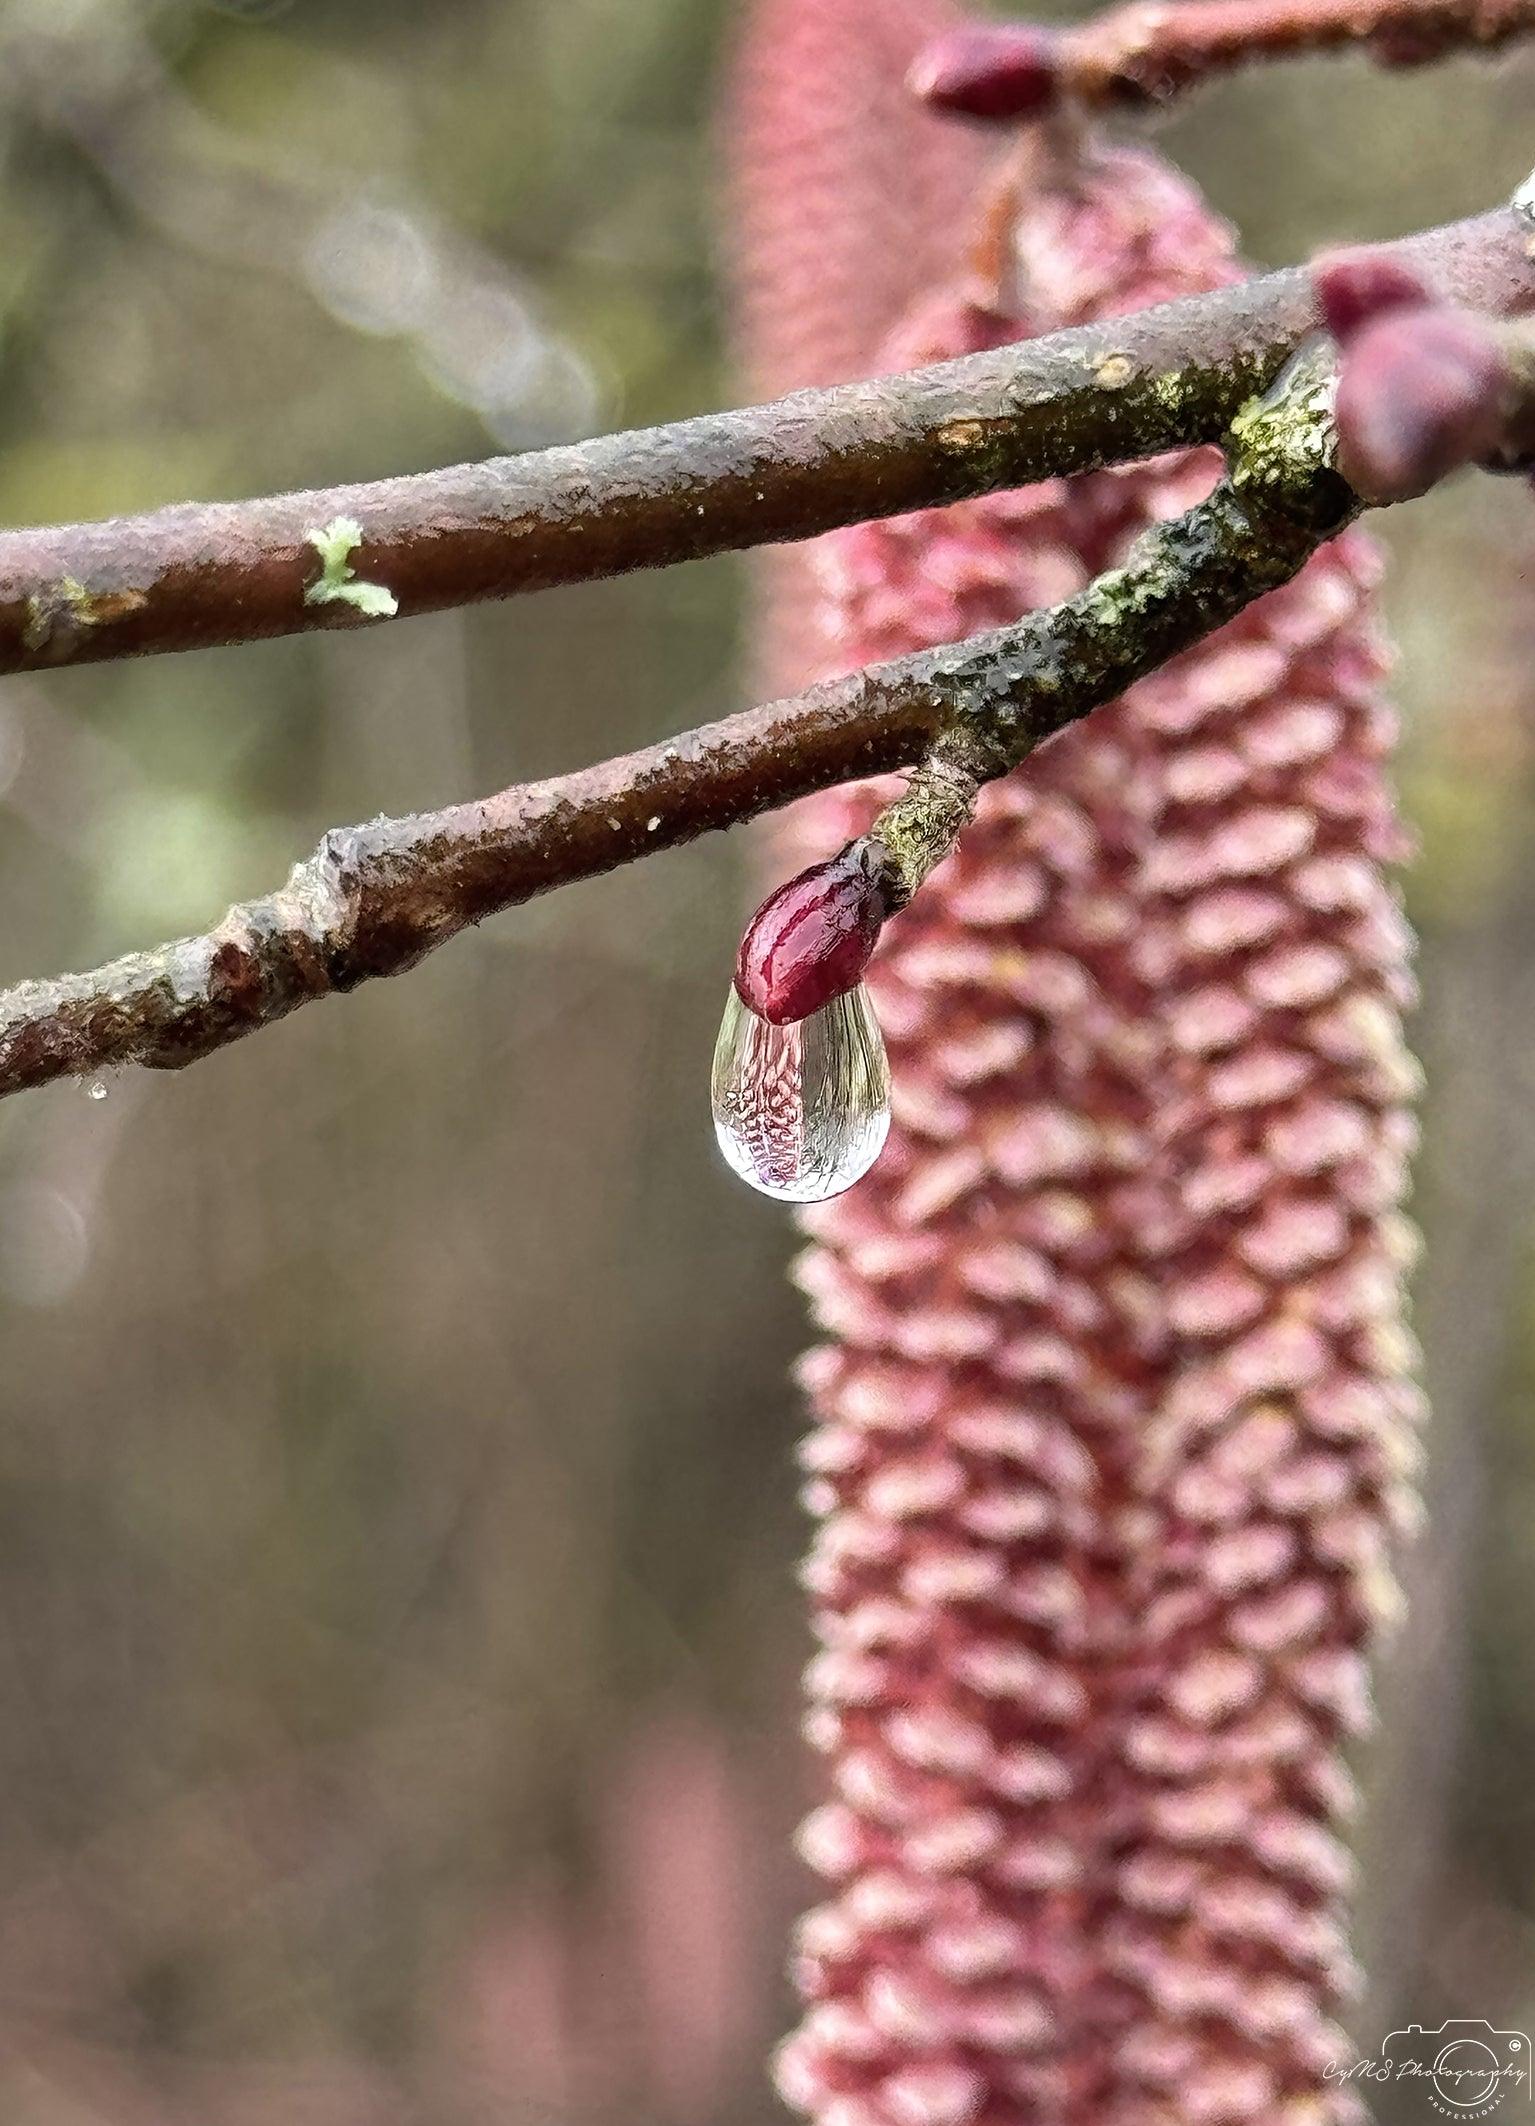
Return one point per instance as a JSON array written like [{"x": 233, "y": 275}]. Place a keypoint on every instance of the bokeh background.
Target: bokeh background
[{"x": 398, "y": 1630}]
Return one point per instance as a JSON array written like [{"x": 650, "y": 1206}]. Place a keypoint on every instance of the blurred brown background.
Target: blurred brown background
[{"x": 398, "y": 1633}]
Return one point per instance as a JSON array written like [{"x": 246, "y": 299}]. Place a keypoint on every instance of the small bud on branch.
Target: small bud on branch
[
  {"x": 811, "y": 940},
  {"x": 1423, "y": 388},
  {"x": 1001, "y": 71},
  {"x": 1420, "y": 393},
  {"x": 1356, "y": 286}
]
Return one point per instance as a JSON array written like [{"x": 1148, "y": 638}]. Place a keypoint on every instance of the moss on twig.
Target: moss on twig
[{"x": 1279, "y": 498}]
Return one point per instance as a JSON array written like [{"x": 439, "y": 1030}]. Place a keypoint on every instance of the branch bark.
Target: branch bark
[
  {"x": 373, "y": 900},
  {"x": 204, "y": 574},
  {"x": 1149, "y": 51}
]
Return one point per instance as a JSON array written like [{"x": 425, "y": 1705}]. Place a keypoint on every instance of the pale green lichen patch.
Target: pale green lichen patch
[
  {"x": 339, "y": 583},
  {"x": 1280, "y": 442},
  {"x": 59, "y": 615}
]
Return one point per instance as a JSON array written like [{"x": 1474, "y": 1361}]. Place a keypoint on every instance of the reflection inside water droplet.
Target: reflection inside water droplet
[
  {"x": 802, "y": 1112},
  {"x": 95, "y": 1090}
]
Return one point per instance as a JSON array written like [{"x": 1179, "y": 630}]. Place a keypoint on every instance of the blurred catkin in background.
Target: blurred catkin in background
[{"x": 1117, "y": 1413}]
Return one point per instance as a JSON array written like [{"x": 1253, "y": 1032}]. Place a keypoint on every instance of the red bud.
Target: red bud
[
  {"x": 1421, "y": 392},
  {"x": 811, "y": 940},
  {"x": 1356, "y": 286},
  {"x": 1008, "y": 71}
]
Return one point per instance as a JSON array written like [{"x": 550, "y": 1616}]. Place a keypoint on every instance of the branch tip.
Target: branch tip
[{"x": 992, "y": 72}]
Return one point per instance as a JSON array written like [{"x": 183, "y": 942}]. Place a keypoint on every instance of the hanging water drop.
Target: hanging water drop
[{"x": 802, "y": 1111}]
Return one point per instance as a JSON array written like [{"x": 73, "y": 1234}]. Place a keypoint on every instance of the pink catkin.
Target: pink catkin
[
  {"x": 844, "y": 198},
  {"x": 680, "y": 1836},
  {"x": 1115, "y": 1415},
  {"x": 844, "y": 193}
]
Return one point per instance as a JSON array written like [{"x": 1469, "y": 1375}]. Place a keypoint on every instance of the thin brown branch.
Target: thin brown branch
[
  {"x": 203, "y": 574},
  {"x": 373, "y": 900},
  {"x": 1153, "y": 50}
]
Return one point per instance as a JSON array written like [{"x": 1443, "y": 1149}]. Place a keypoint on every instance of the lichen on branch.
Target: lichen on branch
[
  {"x": 338, "y": 582},
  {"x": 1279, "y": 498}
]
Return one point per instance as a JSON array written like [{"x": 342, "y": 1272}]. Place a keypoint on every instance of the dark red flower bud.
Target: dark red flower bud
[
  {"x": 1420, "y": 393},
  {"x": 1419, "y": 43},
  {"x": 811, "y": 940},
  {"x": 1356, "y": 286},
  {"x": 1000, "y": 72}
]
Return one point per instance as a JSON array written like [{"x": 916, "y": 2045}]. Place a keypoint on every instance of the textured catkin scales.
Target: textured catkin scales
[
  {"x": 1115, "y": 1419},
  {"x": 844, "y": 199},
  {"x": 845, "y": 194}
]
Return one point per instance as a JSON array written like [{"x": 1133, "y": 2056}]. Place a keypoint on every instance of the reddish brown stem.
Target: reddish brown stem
[
  {"x": 374, "y": 900},
  {"x": 203, "y": 574},
  {"x": 1147, "y": 53}
]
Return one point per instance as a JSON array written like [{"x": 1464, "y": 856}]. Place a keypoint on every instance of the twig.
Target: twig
[
  {"x": 203, "y": 574},
  {"x": 374, "y": 900},
  {"x": 1152, "y": 50}
]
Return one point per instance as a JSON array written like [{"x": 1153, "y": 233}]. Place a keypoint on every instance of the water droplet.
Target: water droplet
[
  {"x": 95, "y": 1090},
  {"x": 802, "y": 1111}
]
